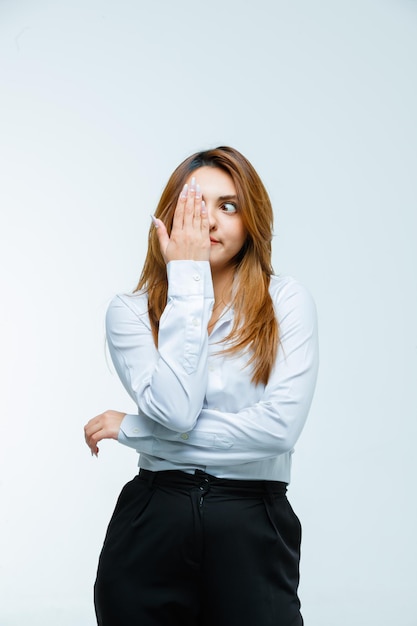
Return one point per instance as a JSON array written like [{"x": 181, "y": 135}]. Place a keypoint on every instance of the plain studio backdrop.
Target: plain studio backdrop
[{"x": 99, "y": 102}]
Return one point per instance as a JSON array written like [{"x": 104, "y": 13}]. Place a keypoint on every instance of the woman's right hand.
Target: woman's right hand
[{"x": 189, "y": 239}]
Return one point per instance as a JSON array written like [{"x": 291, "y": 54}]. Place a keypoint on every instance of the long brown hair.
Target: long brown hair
[{"x": 255, "y": 325}]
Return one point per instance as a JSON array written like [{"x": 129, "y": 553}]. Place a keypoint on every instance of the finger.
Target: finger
[
  {"x": 178, "y": 221},
  {"x": 197, "y": 206},
  {"x": 94, "y": 431},
  {"x": 89, "y": 428},
  {"x": 95, "y": 438},
  {"x": 92, "y": 424},
  {"x": 91, "y": 444},
  {"x": 205, "y": 227},
  {"x": 190, "y": 204},
  {"x": 89, "y": 431}
]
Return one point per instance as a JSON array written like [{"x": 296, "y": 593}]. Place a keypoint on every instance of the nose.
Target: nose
[{"x": 211, "y": 216}]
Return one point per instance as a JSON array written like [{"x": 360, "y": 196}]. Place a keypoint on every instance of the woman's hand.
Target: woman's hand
[
  {"x": 189, "y": 237},
  {"x": 104, "y": 426}
]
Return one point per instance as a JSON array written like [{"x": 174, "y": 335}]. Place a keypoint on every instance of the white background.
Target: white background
[{"x": 99, "y": 102}]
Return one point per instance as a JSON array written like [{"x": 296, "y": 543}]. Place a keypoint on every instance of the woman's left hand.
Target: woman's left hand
[{"x": 103, "y": 426}]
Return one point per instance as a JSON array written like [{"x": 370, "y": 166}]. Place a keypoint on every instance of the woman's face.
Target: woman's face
[{"x": 227, "y": 233}]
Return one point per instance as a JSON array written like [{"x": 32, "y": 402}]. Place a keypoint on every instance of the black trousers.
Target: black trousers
[{"x": 194, "y": 550}]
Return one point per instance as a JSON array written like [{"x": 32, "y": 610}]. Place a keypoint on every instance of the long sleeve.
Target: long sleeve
[
  {"x": 255, "y": 422},
  {"x": 271, "y": 426},
  {"x": 168, "y": 384}
]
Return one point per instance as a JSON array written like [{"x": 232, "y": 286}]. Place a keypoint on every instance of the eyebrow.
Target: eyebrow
[{"x": 225, "y": 198}]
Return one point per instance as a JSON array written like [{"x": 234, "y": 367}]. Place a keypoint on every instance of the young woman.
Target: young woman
[{"x": 220, "y": 357}]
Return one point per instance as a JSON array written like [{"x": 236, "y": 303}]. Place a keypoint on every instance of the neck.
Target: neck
[{"x": 222, "y": 285}]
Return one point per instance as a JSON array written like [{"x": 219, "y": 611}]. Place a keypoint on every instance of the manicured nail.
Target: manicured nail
[
  {"x": 192, "y": 186},
  {"x": 197, "y": 191},
  {"x": 184, "y": 191},
  {"x": 155, "y": 221},
  {"x": 203, "y": 208}
]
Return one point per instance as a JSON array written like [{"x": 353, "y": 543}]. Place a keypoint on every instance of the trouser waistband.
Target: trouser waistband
[{"x": 202, "y": 479}]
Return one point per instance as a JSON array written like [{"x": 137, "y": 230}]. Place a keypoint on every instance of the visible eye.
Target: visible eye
[{"x": 229, "y": 207}]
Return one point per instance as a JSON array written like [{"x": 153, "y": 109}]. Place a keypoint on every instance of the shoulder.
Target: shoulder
[
  {"x": 289, "y": 295},
  {"x": 282, "y": 287},
  {"x": 127, "y": 308}
]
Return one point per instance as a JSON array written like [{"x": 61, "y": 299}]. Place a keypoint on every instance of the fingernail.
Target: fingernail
[
  {"x": 197, "y": 191},
  {"x": 193, "y": 184},
  {"x": 155, "y": 222},
  {"x": 184, "y": 191},
  {"x": 203, "y": 208}
]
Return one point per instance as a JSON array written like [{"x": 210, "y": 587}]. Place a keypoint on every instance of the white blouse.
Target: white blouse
[{"x": 197, "y": 407}]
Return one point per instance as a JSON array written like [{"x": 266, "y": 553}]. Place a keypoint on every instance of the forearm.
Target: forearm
[
  {"x": 168, "y": 383},
  {"x": 274, "y": 416},
  {"x": 220, "y": 438}
]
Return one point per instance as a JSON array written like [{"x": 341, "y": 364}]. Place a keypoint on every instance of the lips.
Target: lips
[{"x": 212, "y": 240}]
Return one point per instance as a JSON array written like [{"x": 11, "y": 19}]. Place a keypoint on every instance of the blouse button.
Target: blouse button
[
  {"x": 184, "y": 436},
  {"x": 196, "y": 276}
]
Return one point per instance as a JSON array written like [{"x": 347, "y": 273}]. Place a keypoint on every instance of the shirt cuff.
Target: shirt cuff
[
  {"x": 189, "y": 278},
  {"x": 135, "y": 427}
]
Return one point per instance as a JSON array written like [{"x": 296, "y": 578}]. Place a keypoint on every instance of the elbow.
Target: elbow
[
  {"x": 178, "y": 417},
  {"x": 181, "y": 423},
  {"x": 281, "y": 443},
  {"x": 286, "y": 445},
  {"x": 287, "y": 435}
]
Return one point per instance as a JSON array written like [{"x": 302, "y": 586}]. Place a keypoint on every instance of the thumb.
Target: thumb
[{"x": 162, "y": 234}]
